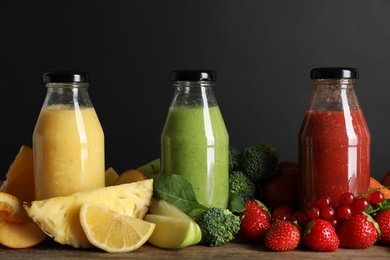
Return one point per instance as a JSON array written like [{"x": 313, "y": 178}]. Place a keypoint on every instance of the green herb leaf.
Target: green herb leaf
[
  {"x": 236, "y": 203},
  {"x": 179, "y": 191}
]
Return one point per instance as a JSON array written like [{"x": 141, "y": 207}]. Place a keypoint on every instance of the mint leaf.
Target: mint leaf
[{"x": 179, "y": 191}]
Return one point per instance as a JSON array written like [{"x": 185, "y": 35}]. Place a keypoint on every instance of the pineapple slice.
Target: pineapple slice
[{"x": 58, "y": 217}]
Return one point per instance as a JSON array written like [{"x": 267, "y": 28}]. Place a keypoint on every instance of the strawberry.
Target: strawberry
[
  {"x": 253, "y": 207},
  {"x": 283, "y": 235},
  {"x": 320, "y": 235},
  {"x": 383, "y": 220},
  {"x": 255, "y": 221},
  {"x": 359, "y": 231}
]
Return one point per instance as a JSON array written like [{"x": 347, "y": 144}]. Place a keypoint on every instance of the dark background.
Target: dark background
[{"x": 262, "y": 51}]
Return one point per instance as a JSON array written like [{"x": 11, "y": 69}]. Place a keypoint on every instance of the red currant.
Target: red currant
[
  {"x": 334, "y": 222},
  {"x": 323, "y": 201},
  {"x": 313, "y": 213},
  {"x": 344, "y": 212},
  {"x": 282, "y": 212},
  {"x": 359, "y": 205},
  {"x": 302, "y": 218},
  {"x": 376, "y": 197},
  {"x": 292, "y": 218},
  {"x": 327, "y": 213},
  {"x": 311, "y": 204},
  {"x": 281, "y": 216},
  {"x": 346, "y": 198}
]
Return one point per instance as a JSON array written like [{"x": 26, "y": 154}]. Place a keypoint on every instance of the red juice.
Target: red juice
[{"x": 334, "y": 154}]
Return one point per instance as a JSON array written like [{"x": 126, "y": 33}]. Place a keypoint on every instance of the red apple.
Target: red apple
[
  {"x": 386, "y": 179},
  {"x": 282, "y": 188}
]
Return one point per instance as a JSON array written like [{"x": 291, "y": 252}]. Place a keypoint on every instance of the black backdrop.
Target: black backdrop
[{"x": 262, "y": 52}]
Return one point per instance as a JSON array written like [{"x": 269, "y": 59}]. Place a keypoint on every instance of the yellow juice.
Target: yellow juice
[{"x": 68, "y": 146}]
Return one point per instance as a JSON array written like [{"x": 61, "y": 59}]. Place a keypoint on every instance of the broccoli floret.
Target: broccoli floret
[
  {"x": 219, "y": 226},
  {"x": 260, "y": 161},
  {"x": 242, "y": 185},
  {"x": 234, "y": 158}
]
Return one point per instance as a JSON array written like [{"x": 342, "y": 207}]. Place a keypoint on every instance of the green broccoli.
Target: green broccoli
[
  {"x": 219, "y": 226},
  {"x": 260, "y": 161},
  {"x": 234, "y": 158},
  {"x": 242, "y": 185}
]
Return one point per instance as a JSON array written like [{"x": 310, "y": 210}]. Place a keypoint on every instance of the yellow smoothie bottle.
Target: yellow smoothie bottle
[{"x": 68, "y": 140}]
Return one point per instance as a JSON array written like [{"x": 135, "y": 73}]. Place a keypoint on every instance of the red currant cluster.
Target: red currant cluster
[{"x": 348, "y": 205}]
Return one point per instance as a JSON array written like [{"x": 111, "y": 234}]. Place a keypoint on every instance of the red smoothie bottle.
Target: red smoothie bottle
[{"x": 334, "y": 140}]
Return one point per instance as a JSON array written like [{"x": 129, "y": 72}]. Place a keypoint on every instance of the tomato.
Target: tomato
[{"x": 282, "y": 188}]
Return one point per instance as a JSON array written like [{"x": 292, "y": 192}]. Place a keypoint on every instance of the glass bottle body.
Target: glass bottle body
[
  {"x": 194, "y": 142},
  {"x": 68, "y": 143},
  {"x": 334, "y": 143}
]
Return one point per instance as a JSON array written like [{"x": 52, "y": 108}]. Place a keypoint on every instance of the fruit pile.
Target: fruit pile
[
  {"x": 355, "y": 222},
  {"x": 110, "y": 218},
  {"x": 135, "y": 207},
  {"x": 120, "y": 217},
  {"x": 272, "y": 217}
]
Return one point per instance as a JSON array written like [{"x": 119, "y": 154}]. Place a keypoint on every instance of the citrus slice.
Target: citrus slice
[
  {"x": 20, "y": 176},
  {"x": 17, "y": 230},
  {"x": 114, "y": 232}
]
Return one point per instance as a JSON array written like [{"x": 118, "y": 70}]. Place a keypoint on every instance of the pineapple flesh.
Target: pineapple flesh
[{"x": 58, "y": 217}]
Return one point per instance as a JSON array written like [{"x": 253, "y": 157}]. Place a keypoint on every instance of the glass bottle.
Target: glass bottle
[
  {"x": 194, "y": 141},
  {"x": 68, "y": 140},
  {"x": 334, "y": 140}
]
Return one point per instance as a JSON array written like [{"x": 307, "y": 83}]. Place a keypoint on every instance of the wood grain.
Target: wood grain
[{"x": 233, "y": 250}]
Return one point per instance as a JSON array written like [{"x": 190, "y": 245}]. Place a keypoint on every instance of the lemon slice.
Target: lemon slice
[{"x": 114, "y": 232}]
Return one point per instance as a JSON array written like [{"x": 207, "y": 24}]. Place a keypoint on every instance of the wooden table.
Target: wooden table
[{"x": 233, "y": 250}]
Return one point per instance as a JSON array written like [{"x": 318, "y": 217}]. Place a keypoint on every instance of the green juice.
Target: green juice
[{"x": 195, "y": 144}]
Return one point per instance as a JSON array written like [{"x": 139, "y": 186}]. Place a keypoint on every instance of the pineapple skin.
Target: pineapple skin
[{"x": 59, "y": 218}]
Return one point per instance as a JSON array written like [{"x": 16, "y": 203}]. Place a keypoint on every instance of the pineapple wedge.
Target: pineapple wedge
[{"x": 58, "y": 217}]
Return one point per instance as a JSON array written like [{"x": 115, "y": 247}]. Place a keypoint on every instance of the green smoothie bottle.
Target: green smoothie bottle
[{"x": 195, "y": 142}]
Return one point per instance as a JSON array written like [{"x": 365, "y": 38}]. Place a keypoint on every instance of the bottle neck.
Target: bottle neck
[
  {"x": 335, "y": 83},
  {"x": 68, "y": 94},
  {"x": 334, "y": 95},
  {"x": 194, "y": 94}
]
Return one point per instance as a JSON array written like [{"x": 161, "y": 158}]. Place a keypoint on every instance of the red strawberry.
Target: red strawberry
[
  {"x": 383, "y": 220},
  {"x": 255, "y": 222},
  {"x": 359, "y": 231},
  {"x": 282, "y": 236},
  {"x": 254, "y": 206},
  {"x": 320, "y": 235}
]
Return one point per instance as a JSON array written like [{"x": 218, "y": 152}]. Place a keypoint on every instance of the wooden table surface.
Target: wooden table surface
[{"x": 233, "y": 250}]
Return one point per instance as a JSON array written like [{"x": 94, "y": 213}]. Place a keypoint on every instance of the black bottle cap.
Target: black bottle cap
[
  {"x": 193, "y": 75},
  {"x": 334, "y": 73},
  {"x": 65, "y": 76}
]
